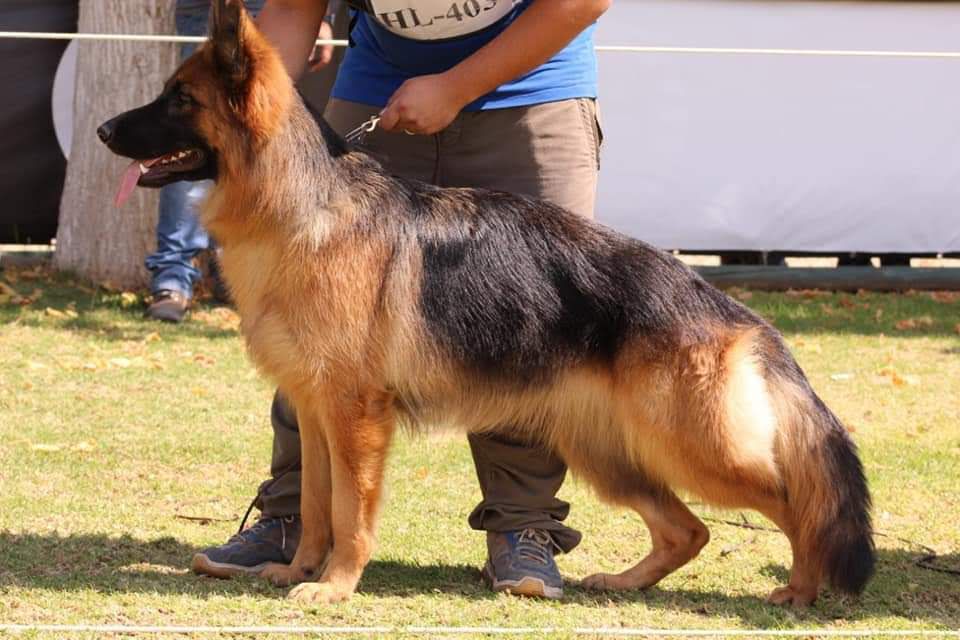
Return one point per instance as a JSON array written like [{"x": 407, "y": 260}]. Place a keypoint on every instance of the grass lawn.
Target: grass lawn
[{"x": 127, "y": 445}]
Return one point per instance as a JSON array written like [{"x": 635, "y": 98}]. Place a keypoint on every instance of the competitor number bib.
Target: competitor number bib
[{"x": 438, "y": 19}]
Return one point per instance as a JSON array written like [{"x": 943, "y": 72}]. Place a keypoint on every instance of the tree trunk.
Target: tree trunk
[{"x": 95, "y": 240}]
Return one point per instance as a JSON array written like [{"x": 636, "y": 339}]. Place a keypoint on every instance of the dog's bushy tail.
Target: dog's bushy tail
[{"x": 827, "y": 493}]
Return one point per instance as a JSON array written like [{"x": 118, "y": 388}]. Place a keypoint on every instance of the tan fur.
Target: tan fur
[{"x": 353, "y": 355}]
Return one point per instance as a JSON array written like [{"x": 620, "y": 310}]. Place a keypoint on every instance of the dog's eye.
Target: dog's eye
[{"x": 184, "y": 100}]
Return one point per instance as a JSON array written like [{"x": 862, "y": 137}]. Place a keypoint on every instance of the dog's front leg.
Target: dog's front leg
[
  {"x": 315, "y": 498},
  {"x": 358, "y": 429}
]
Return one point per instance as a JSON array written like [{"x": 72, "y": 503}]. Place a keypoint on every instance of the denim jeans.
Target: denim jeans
[{"x": 180, "y": 236}]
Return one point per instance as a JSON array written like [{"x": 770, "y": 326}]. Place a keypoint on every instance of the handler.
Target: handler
[{"x": 500, "y": 94}]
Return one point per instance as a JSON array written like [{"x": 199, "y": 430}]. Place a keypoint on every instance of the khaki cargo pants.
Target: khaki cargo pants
[{"x": 548, "y": 151}]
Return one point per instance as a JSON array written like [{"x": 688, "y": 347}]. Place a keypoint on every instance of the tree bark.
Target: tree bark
[{"x": 95, "y": 240}]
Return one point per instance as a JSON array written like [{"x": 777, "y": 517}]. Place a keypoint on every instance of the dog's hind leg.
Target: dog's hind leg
[
  {"x": 805, "y": 574},
  {"x": 358, "y": 430},
  {"x": 677, "y": 536}
]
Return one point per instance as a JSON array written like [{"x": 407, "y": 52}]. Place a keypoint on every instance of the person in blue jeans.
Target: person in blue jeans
[{"x": 180, "y": 236}]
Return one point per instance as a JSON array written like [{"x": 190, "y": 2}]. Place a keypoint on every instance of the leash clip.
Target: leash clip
[{"x": 356, "y": 136}]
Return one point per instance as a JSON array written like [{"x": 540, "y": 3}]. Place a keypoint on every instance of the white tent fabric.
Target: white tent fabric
[{"x": 728, "y": 152}]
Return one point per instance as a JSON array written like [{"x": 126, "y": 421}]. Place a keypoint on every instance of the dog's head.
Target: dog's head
[{"x": 224, "y": 100}]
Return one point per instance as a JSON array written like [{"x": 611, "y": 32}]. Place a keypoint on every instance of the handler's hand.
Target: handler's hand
[
  {"x": 322, "y": 54},
  {"x": 423, "y": 105}
]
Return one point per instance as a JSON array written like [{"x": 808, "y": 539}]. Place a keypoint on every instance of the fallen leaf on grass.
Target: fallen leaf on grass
[
  {"x": 945, "y": 297},
  {"x": 203, "y": 520},
  {"x": 26, "y": 301},
  {"x": 912, "y": 381},
  {"x": 46, "y": 448},
  {"x": 54, "y": 313},
  {"x": 203, "y": 360},
  {"x": 33, "y": 273},
  {"x": 914, "y": 323},
  {"x": 36, "y": 366},
  {"x": 806, "y": 293},
  {"x": 129, "y": 299},
  {"x": 892, "y": 376},
  {"x": 52, "y": 447},
  {"x": 152, "y": 337},
  {"x": 220, "y": 318},
  {"x": 147, "y": 567},
  {"x": 839, "y": 377},
  {"x": 123, "y": 363}
]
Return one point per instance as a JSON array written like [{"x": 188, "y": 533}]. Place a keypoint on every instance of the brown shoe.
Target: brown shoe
[{"x": 168, "y": 306}]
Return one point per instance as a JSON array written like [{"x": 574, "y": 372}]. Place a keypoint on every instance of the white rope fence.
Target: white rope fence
[
  {"x": 122, "y": 37},
  {"x": 128, "y": 37},
  {"x": 469, "y": 631}
]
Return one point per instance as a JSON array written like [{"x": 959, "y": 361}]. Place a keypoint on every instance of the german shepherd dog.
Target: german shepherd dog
[{"x": 372, "y": 300}]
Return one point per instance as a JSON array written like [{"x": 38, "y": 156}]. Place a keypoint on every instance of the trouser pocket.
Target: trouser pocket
[{"x": 590, "y": 115}]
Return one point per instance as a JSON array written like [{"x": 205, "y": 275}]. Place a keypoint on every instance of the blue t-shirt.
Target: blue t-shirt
[{"x": 380, "y": 61}]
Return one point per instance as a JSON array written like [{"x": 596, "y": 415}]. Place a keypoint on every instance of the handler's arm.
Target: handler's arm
[
  {"x": 429, "y": 103},
  {"x": 292, "y": 27}
]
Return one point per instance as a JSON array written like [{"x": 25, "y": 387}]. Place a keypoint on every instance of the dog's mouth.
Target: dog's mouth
[{"x": 156, "y": 172}]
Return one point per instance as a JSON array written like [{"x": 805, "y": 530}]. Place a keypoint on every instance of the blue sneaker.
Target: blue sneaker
[
  {"x": 248, "y": 552},
  {"x": 521, "y": 562}
]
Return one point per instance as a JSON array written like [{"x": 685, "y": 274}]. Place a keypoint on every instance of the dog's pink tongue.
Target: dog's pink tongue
[{"x": 128, "y": 184}]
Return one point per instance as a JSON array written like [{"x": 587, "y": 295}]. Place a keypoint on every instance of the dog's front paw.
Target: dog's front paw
[
  {"x": 602, "y": 582},
  {"x": 626, "y": 581},
  {"x": 281, "y": 575},
  {"x": 319, "y": 593}
]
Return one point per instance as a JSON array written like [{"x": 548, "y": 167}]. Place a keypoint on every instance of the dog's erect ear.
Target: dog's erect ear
[{"x": 229, "y": 25}]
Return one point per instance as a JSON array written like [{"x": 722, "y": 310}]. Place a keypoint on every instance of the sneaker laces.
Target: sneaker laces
[
  {"x": 168, "y": 294},
  {"x": 536, "y": 545},
  {"x": 259, "y": 526},
  {"x": 255, "y": 529}
]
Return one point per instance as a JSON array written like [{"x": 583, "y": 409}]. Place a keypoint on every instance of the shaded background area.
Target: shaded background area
[
  {"x": 33, "y": 168},
  {"x": 32, "y": 165}
]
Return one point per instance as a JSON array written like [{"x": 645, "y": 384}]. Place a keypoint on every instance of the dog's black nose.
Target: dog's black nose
[{"x": 105, "y": 132}]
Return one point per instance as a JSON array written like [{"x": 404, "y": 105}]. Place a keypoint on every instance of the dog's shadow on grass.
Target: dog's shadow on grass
[
  {"x": 128, "y": 565},
  {"x": 900, "y": 588},
  {"x": 124, "y": 564}
]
